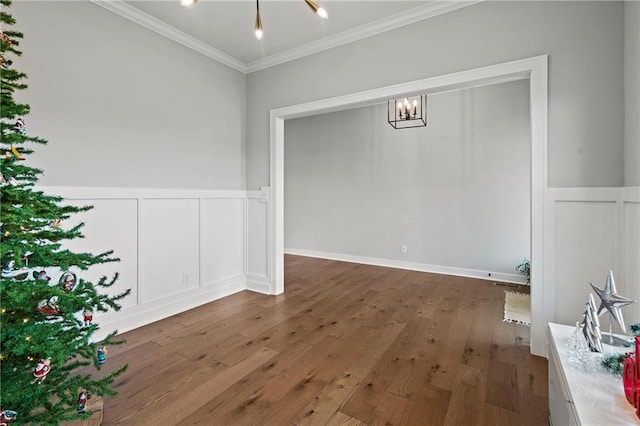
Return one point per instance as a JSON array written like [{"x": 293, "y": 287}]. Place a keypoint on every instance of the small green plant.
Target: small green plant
[
  {"x": 525, "y": 269},
  {"x": 614, "y": 364}
]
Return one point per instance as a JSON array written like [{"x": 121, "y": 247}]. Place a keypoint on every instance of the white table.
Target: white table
[{"x": 580, "y": 398}]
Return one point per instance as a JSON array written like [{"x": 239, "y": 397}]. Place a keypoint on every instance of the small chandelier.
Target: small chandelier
[{"x": 408, "y": 112}]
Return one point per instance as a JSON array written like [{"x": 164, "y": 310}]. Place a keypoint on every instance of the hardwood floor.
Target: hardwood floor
[{"x": 347, "y": 344}]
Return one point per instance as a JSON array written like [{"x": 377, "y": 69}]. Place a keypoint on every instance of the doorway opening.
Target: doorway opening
[{"x": 534, "y": 69}]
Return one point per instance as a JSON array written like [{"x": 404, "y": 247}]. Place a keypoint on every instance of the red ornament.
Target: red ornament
[
  {"x": 87, "y": 316},
  {"x": 42, "y": 369},
  {"x": 631, "y": 377},
  {"x": 49, "y": 307}
]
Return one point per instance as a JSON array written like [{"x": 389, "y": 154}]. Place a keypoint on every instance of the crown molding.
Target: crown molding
[
  {"x": 119, "y": 7},
  {"x": 407, "y": 17}
]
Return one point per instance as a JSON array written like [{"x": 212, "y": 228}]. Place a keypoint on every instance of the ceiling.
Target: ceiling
[{"x": 223, "y": 30}]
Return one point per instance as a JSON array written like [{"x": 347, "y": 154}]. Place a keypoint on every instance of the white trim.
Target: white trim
[
  {"x": 137, "y": 16},
  {"x": 407, "y": 17},
  {"x": 536, "y": 69},
  {"x": 95, "y": 193},
  {"x": 542, "y": 291},
  {"x": 258, "y": 284},
  {"x": 412, "y": 266},
  {"x": 630, "y": 194}
]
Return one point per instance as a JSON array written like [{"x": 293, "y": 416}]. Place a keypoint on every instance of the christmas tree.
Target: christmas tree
[{"x": 47, "y": 356}]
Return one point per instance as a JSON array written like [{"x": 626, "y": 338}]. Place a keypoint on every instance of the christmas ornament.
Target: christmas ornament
[
  {"x": 55, "y": 224},
  {"x": 82, "y": 402},
  {"x": 5, "y": 62},
  {"x": 580, "y": 352},
  {"x": 20, "y": 126},
  {"x": 41, "y": 275},
  {"x": 631, "y": 377},
  {"x": 591, "y": 326},
  {"x": 87, "y": 316},
  {"x": 102, "y": 355},
  {"x": 49, "y": 307},
  {"x": 7, "y": 417},
  {"x": 68, "y": 281},
  {"x": 5, "y": 38},
  {"x": 10, "y": 271},
  {"x": 15, "y": 152},
  {"x": 41, "y": 370},
  {"x": 612, "y": 302}
]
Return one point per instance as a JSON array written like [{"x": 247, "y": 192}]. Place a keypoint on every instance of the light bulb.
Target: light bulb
[
  {"x": 322, "y": 13},
  {"x": 187, "y": 2},
  {"x": 415, "y": 102},
  {"x": 258, "y": 26},
  {"x": 317, "y": 9}
]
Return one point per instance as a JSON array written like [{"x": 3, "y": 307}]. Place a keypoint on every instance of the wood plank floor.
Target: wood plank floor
[{"x": 347, "y": 344}]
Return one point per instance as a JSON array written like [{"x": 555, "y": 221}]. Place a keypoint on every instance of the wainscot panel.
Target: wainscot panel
[
  {"x": 592, "y": 231},
  {"x": 178, "y": 249},
  {"x": 631, "y": 255}
]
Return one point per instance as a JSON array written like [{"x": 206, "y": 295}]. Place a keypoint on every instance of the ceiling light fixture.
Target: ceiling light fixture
[
  {"x": 408, "y": 112},
  {"x": 258, "y": 25},
  {"x": 317, "y": 9},
  {"x": 321, "y": 12}
]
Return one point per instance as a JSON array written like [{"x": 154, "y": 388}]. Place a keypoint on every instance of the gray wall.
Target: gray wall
[
  {"x": 456, "y": 192},
  {"x": 124, "y": 107},
  {"x": 584, "y": 41},
  {"x": 632, "y": 93}
]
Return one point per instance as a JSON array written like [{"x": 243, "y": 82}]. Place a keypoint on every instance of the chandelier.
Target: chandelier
[
  {"x": 408, "y": 112},
  {"x": 258, "y": 24}
]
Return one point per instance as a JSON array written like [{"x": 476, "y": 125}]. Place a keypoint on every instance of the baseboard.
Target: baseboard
[
  {"x": 137, "y": 316},
  {"x": 413, "y": 266},
  {"x": 258, "y": 283}
]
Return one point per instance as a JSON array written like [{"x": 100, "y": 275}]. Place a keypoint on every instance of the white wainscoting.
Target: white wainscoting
[
  {"x": 178, "y": 249},
  {"x": 589, "y": 231}
]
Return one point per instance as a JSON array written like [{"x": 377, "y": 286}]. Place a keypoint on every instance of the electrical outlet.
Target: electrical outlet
[{"x": 403, "y": 249}]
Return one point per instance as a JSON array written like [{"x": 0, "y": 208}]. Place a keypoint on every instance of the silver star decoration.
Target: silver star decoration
[{"x": 611, "y": 302}]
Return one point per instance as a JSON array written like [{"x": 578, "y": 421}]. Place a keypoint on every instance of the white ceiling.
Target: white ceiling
[{"x": 223, "y": 30}]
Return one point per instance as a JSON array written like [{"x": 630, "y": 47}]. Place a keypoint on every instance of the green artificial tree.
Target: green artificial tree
[{"x": 48, "y": 358}]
